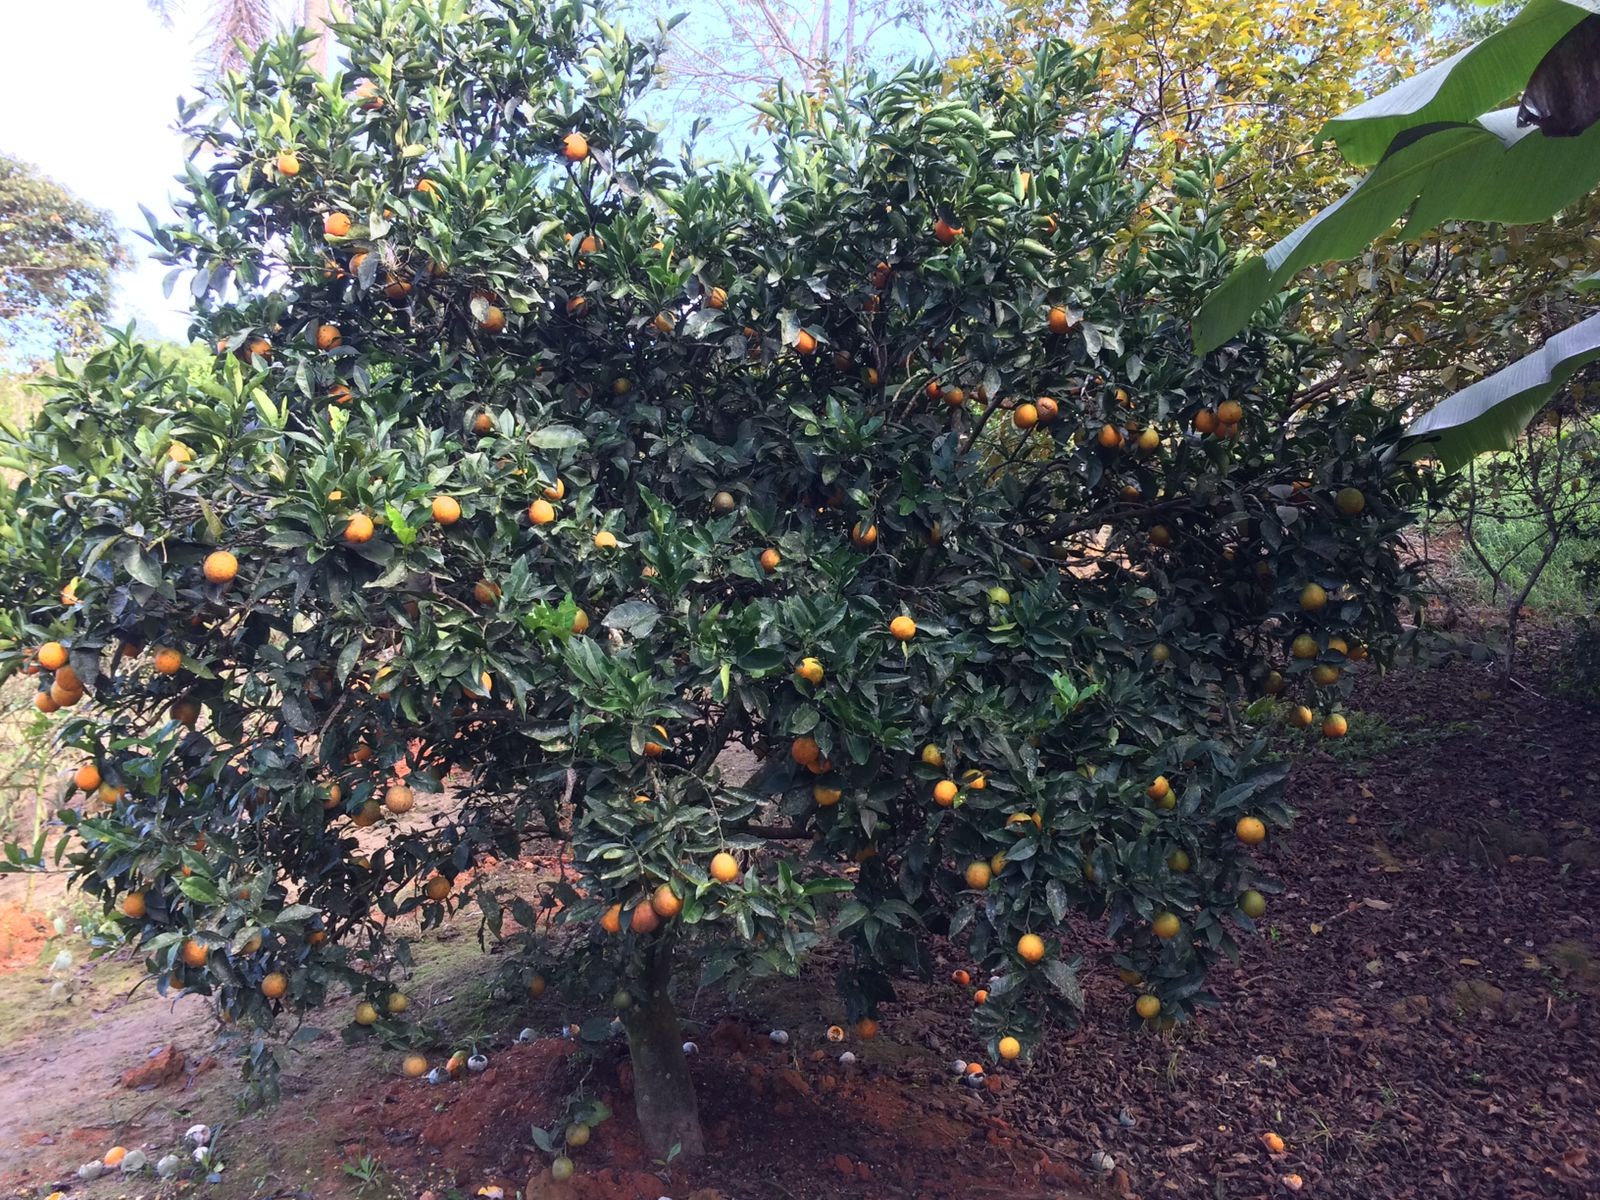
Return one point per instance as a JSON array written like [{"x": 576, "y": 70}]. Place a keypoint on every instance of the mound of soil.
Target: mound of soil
[{"x": 22, "y": 936}]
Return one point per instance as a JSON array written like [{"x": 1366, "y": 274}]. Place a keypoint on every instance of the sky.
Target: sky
[
  {"x": 91, "y": 101},
  {"x": 88, "y": 95}
]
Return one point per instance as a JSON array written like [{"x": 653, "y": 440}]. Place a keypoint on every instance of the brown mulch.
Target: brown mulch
[{"x": 1421, "y": 1020}]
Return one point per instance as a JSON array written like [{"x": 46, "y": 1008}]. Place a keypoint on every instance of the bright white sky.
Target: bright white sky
[{"x": 88, "y": 94}]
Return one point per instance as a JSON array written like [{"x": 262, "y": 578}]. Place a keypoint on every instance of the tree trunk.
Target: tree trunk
[{"x": 663, "y": 1093}]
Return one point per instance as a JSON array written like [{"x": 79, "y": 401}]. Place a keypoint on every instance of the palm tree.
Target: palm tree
[{"x": 238, "y": 25}]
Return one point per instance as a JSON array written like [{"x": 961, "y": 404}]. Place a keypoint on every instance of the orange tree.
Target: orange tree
[{"x": 534, "y": 456}]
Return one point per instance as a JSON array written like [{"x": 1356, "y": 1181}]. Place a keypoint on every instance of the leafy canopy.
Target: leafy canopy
[{"x": 549, "y": 465}]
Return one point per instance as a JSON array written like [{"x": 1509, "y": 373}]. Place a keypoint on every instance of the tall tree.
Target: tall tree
[
  {"x": 57, "y": 258},
  {"x": 238, "y": 26},
  {"x": 1261, "y": 76}
]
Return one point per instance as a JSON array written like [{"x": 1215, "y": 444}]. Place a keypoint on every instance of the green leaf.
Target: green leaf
[
  {"x": 634, "y": 617},
  {"x": 1476, "y": 172},
  {"x": 1463, "y": 86},
  {"x": 556, "y": 437},
  {"x": 1492, "y": 412}
]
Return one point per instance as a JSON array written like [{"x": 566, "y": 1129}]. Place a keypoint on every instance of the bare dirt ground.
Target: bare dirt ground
[{"x": 1419, "y": 1021}]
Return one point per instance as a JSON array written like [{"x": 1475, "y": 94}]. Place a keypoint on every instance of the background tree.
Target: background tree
[
  {"x": 58, "y": 257},
  {"x": 535, "y": 456},
  {"x": 1255, "y": 77}
]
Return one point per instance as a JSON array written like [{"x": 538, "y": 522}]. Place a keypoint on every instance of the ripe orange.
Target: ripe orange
[
  {"x": 826, "y": 796},
  {"x": 86, "y": 778},
  {"x": 482, "y": 423},
  {"x": 415, "y": 1066},
  {"x": 114, "y": 1156},
  {"x": 168, "y": 661},
  {"x": 717, "y": 298},
  {"x": 274, "y": 986},
  {"x": 1060, "y": 320},
  {"x": 220, "y": 567},
  {"x": 835, "y": 1033},
  {"x": 1009, "y": 1048},
  {"x": 605, "y": 540},
  {"x": 556, "y": 491},
  {"x": 770, "y": 559},
  {"x": 932, "y": 755},
  {"x": 1166, "y": 925},
  {"x": 945, "y": 793},
  {"x": 575, "y": 147},
  {"x": 960, "y": 978},
  {"x": 902, "y": 629},
  {"x": 1030, "y": 948},
  {"x": 580, "y": 622},
  {"x": 664, "y": 323},
  {"x": 1160, "y": 536},
  {"x": 1338, "y": 645},
  {"x": 536, "y": 986},
  {"x": 611, "y": 919},
  {"x": 358, "y": 529},
  {"x": 1205, "y": 421},
  {"x": 494, "y": 319},
  {"x": 336, "y": 224},
  {"x": 185, "y": 711},
  {"x": 1273, "y": 684},
  {"x": 328, "y": 336},
  {"x": 666, "y": 902},
  {"x": 437, "y": 889},
  {"x": 724, "y": 867},
  {"x": 1303, "y": 647},
  {"x": 644, "y": 919},
  {"x": 577, "y": 306},
  {"x": 978, "y": 875},
  {"x": 1147, "y": 1006},
  {"x": 1025, "y": 416},
  {"x": 981, "y": 996},
  {"x": 864, "y": 536},
  {"x": 1160, "y": 789},
  {"x": 52, "y": 656},
  {"x": 1230, "y": 412},
  {"x": 133, "y": 906},
  {"x": 1301, "y": 717},
  {"x": 805, "y": 751},
  {"x": 399, "y": 799},
  {"x": 1110, "y": 437},
  {"x": 369, "y": 815},
  {"x": 193, "y": 953},
  {"x": 1252, "y": 831},
  {"x": 1149, "y": 441},
  {"x": 811, "y": 671},
  {"x": 1273, "y": 1143},
  {"x": 723, "y": 502},
  {"x": 804, "y": 343},
  {"x": 541, "y": 512},
  {"x": 944, "y": 232},
  {"x": 446, "y": 510},
  {"x": 866, "y": 1029},
  {"x": 1325, "y": 674},
  {"x": 590, "y": 243},
  {"x": 366, "y": 1014},
  {"x": 976, "y": 781},
  {"x": 1313, "y": 597},
  {"x": 1335, "y": 726}
]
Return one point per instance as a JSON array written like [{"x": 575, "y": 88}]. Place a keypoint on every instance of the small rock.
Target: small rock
[
  {"x": 167, "y": 1166},
  {"x": 91, "y": 1170},
  {"x": 198, "y": 1134},
  {"x": 134, "y": 1162},
  {"x": 690, "y": 1048},
  {"x": 478, "y": 1064},
  {"x": 780, "y": 1037},
  {"x": 1102, "y": 1162}
]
